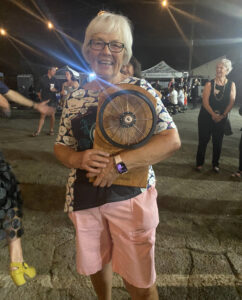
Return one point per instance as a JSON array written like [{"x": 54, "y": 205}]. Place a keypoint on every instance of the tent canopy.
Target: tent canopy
[
  {"x": 207, "y": 70},
  {"x": 161, "y": 70}
]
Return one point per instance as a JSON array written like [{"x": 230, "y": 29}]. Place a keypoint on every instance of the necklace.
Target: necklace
[{"x": 216, "y": 92}]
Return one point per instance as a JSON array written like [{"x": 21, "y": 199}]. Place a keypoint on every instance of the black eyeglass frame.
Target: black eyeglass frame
[{"x": 107, "y": 44}]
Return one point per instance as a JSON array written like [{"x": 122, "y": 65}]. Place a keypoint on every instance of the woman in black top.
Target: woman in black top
[
  {"x": 218, "y": 99},
  {"x": 194, "y": 92}
]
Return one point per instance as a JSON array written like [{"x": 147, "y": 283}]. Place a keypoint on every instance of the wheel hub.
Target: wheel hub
[{"x": 127, "y": 119}]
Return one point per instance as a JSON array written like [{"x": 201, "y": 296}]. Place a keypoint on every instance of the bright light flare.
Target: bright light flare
[
  {"x": 92, "y": 76},
  {"x": 3, "y": 31},
  {"x": 164, "y": 3},
  {"x": 190, "y": 16},
  {"x": 50, "y": 25},
  {"x": 179, "y": 28}
]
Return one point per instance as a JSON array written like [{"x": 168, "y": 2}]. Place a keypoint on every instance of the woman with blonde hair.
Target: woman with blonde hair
[
  {"x": 218, "y": 99},
  {"x": 115, "y": 225}
]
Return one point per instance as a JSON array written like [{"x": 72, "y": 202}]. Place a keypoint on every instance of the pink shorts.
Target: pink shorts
[{"x": 122, "y": 232}]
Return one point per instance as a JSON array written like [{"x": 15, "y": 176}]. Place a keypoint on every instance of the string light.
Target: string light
[
  {"x": 50, "y": 25},
  {"x": 3, "y": 31}
]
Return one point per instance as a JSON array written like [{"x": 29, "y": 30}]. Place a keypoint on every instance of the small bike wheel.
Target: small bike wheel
[{"x": 127, "y": 119}]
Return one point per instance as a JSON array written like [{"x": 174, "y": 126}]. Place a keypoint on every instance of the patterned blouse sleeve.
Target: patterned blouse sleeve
[
  {"x": 65, "y": 135},
  {"x": 164, "y": 120}
]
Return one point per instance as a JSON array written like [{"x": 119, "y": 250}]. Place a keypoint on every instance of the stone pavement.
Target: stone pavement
[
  {"x": 199, "y": 238},
  {"x": 197, "y": 257}
]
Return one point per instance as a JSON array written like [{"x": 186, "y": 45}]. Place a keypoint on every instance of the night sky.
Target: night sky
[{"x": 156, "y": 37}]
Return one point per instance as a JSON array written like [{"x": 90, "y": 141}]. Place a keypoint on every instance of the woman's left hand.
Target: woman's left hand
[
  {"x": 43, "y": 108},
  {"x": 107, "y": 175},
  {"x": 217, "y": 118}
]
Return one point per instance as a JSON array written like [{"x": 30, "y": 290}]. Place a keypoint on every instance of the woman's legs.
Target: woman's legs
[
  {"x": 204, "y": 134},
  {"x": 150, "y": 293},
  {"x": 102, "y": 282},
  {"x": 240, "y": 154},
  {"x": 41, "y": 122},
  {"x": 238, "y": 173},
  {"x": 15, "y": 250},
  {"x": 52, "y": 122},
  {"x": 217, "y": 139},
  {"x": 111, "y": 232}
]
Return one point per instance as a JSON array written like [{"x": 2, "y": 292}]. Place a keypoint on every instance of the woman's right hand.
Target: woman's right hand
[{"x": 91, "y": 160}]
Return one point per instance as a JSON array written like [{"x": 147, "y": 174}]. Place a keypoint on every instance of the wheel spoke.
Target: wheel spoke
[
  {"x": 144, "y": 119},
  {"x": 110, "y": 127},
  {"x": 127, "y": 104},
  {"x": 134, "y": 136},
  {"x": 115, "y": 106},
  {"x": 139, "y": 107},
  {"x": 138, "y": 130},
  {"x": 123, "y": 136},
  {"x": 120, "y": 104},
  {"x": 115, "y": 133}
]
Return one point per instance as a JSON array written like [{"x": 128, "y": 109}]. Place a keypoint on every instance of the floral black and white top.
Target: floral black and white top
[{"x": 76, "y": 129}]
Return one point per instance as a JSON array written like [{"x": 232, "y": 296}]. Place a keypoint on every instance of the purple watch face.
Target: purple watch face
[{"x": 121, "y": 168}]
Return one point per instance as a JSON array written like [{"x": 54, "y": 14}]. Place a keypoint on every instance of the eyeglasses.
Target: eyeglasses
[{"x": 115, "y": 47}]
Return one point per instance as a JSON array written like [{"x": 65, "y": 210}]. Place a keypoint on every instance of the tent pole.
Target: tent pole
[{"x": 192, "y": 39}]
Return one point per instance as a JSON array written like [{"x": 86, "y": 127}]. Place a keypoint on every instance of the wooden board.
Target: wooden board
[{"x": 111, "y": 118}]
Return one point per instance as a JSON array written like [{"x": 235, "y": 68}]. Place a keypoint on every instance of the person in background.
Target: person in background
[
  {"x": 46, "y": 91},
  {"x": 10, "y": 197},
  {"x": 70, "y": 85},
  {"x": 115, "y": 225},
  {"x": 133, "y": 68},
  {"x": 171, "y": 84},
  {"x": 181, "y": 84},
  {"x": 173, "y": 98},
  {"x": 218, "y": 99},
  {"x": 181, "y": 100},
  {"x": 185, "y": 99},
  {"x": 238, "y": 173},
  {"x": 195, "y": 92}
]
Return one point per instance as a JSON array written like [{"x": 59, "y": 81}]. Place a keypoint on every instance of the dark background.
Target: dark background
[{"x": 156, "y": 37}]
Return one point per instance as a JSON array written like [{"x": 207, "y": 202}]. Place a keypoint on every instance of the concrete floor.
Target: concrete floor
[{"x": 199, "y": 238}]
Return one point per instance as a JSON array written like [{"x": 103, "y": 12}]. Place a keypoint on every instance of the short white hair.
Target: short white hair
[
  {"x": 227, "y": 64},
  {"x": 108, "y": 22}
]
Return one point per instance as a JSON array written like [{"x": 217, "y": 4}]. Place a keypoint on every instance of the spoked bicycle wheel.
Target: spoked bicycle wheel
[{"x": 127, "y": 117}]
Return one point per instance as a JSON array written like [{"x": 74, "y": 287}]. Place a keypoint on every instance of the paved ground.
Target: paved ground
[{"x": 199, "y": 238}]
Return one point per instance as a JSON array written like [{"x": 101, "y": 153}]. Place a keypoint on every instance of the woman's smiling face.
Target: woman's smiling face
[
  {"x": 105, "y": 63},
  {"x": 221, "y": 70}
]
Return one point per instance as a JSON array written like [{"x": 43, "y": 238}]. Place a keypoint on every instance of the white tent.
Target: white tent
[
  {"x": 207, "y": 70},
  {"x": 161, "y": 70}
]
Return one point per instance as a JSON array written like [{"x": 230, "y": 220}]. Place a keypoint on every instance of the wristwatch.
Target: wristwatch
[{"x": 120, "y": 165}]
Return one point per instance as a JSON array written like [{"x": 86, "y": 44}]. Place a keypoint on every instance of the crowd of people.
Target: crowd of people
[
  {"x": 115, "y": 224},
  {"x": 179, "y": 93}
]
